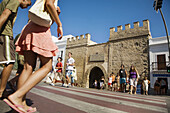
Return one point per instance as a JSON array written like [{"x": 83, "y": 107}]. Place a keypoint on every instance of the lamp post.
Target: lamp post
[{"x": 157, "y": 6}]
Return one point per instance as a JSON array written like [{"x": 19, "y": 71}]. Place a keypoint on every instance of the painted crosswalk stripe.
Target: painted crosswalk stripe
[
  {"x": 114, "y": 101},
  {"x": 154, "y": 98},
  {"x": 119, "y": 96},
  {"x": 84, "y": 106}
]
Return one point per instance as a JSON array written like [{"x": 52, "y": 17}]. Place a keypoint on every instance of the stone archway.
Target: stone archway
[
  {"x": 95, "y": 74},
  {"x": 97, "y": 66}
]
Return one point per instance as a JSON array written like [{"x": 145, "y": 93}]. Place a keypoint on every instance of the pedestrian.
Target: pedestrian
[
  {"x": 8, "y": 14},
  {"x": 163, "y": 86},
  {"x": 73, "y": 76},
  {"x": 102, "y": 82},
  {"x": 157, "y": 86},
  {"x": 145, "y": 84},
  {"x": 95, "y": 84},
  {"x": 13, "y": 82},
  {"x": 133, "y": 75},
  {"x": 58, "y": 73},
  {"x": 123, "y": 78},
  {"x": 50, "y": 76},
  {"x": 118, "y": 82},
  {"x": 69, "y": 68},
  {"x": 113, "y": 81},
  {"x": 110, "y": 82},
  {"x": 35, "y": 41}
]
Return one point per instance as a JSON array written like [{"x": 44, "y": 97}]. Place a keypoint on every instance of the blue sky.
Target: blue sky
[{"x": 98, "y": 16}]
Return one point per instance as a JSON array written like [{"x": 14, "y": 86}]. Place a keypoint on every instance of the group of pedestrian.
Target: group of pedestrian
[
  {"x": 68, "y": 78},
  {"x": 34, "y": 41},
  {"x": 123, "y": 79},
  {"x": 160, "y": 87},
  {"x": 113, "y": 82}
]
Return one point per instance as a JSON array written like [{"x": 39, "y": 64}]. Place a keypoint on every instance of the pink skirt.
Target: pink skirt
[{"x": 37, "y": 39}]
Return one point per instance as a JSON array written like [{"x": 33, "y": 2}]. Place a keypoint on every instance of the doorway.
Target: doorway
[{"x": 95, "y": 74}]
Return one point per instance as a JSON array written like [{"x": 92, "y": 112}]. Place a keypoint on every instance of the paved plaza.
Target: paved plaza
[{"x": 56, "y": 99}]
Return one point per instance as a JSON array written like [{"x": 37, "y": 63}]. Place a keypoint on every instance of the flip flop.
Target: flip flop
[
  {"x": 15, "y": 107},
  {"x": 31, "y": 110}
]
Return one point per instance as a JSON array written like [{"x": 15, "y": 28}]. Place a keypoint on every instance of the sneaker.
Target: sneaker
[
  {"x": 63, "y": 85},
  {"x": 52, "y": 84}
]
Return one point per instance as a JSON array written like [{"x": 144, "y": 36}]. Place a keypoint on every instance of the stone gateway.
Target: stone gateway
[{"x": 129, "y": 46}]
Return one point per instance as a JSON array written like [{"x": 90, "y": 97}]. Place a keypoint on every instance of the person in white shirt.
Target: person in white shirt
[
  {"x": 69, "y": 68},
  {"x": 145, "y": 84},
  {"x": 110, "y": 82}
]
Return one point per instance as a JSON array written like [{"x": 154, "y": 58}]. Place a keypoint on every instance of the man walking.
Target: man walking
[
  {"x": 8, "y": 13},
  {"x": 123, "y": 78},
  {"x": 69, "y": 68}
]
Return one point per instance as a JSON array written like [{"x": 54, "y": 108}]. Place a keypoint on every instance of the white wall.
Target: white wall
[
  {"x": 61, "y": 47},
  {"x": 157, "y": 46}
]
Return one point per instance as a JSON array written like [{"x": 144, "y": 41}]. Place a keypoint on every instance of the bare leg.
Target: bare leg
[
  {"x": 124, "y": 87},
  {"x": 4, "y": 77},
  {"x": 29, "y": 65},
  {"x": 34, "y": 79},
  {"x": 163, "y": 91},
  {"x": 158, "y": 90},
  {"x": 135, "y": 91},
  {"x": 67, "y": 80},
  {"x": 121, "y": 87},
  {"x": 146, "y": 92},
  {"x": 131, "y": 89}
]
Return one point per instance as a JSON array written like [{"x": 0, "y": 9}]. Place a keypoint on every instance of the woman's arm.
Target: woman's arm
[{"x": 52, "y": 10}]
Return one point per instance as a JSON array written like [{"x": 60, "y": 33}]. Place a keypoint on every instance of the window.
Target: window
[{"x": 161, "y": 61}]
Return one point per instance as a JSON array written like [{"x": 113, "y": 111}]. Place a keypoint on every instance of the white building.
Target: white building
[
  {"x": 61, "y": 48},
  {"x": 158, "y": 53}
]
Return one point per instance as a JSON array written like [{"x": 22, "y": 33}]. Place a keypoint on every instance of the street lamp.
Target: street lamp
[{"x": 157, "y": 6}]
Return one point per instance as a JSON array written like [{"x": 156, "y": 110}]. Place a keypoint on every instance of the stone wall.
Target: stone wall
[
  {"x": 130, "y": 46},
  {"x": 78, "y": 47}
]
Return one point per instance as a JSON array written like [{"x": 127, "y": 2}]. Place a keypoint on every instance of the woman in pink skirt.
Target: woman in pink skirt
[{"x": 35, "y": 41}]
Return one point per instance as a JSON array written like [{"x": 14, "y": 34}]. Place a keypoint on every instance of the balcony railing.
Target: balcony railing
[{"x": 159, "y": 66}]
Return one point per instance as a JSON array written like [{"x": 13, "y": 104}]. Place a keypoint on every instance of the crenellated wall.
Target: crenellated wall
[
  {"x": 79, "y": 40},
  {"x": 129, "y": 32}
]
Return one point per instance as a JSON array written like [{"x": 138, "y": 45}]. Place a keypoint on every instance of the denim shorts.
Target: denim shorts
[
  {"x": 72, "y": 79},
  {"x": 122, "y": 80},
  {"x": 69, "y": 73}
]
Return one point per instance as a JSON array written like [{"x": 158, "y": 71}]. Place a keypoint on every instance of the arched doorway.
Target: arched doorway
[{"x": 95, "y": 74}]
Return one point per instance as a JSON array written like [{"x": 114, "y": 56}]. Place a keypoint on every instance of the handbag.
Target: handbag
[{"x": 39, "y": 15}]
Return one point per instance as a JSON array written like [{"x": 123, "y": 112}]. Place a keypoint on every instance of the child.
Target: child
[
  {"x": 110, "y": 82},
  {"x": 145, "y": 84},
  {"x": 102, "y": 82},
  {"x": 58, "y": 72},
  {"x": 95, "y": 84}
]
